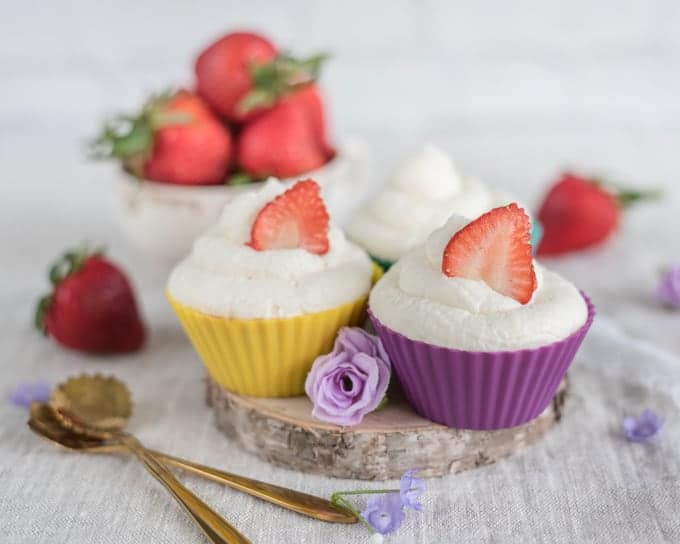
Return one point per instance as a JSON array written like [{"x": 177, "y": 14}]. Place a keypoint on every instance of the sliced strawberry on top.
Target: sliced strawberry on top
[
  {"x": 495, "y": 248},
  {"x": 294, "y": 219}
]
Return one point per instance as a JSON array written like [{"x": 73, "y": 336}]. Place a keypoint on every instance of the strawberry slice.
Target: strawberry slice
[
  {"x": 496, "y": 249},
  {"x": 294, "y": 219}
]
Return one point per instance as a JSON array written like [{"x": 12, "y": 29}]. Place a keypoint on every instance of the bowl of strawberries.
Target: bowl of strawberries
[{"x": 254, "y": 112}]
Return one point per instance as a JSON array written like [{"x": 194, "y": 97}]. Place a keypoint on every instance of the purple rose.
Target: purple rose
[
  {"x": 668, "y": 290},
  {"x": 351, "y": 380}
]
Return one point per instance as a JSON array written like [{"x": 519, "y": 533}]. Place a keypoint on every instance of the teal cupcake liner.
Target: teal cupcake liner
[
  {"x": 382, "y": 263},
  {"x": 536, "y": 234}
]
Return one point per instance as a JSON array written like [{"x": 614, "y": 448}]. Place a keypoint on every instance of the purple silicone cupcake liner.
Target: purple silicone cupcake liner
[{"x": 475, "y": 389}]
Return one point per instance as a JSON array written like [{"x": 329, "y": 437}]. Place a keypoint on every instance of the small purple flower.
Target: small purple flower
[
  {"x": 646, "y": 428},
  {"x": 668, "y": 290},
  {"x": 351, "y": 380},
  {"x": 410, "y": 490},
  {"x": 26, "y": 393},
  {"x": 384, "y": 513}
]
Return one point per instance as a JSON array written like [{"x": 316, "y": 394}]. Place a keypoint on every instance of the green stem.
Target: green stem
[
  {"x": 365, "y": 492},
  {"x": 628, "y": 197},
  {"x": 344, "y": 503},
  {"x": 625, "y": 196},
  {"x": 338, "y": 498}
]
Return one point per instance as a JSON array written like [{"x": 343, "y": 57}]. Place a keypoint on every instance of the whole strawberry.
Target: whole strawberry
[
  {"x": 579, "y": 212},
  {"x": 92, "y": 307},
  {"x": 175, "y": 139},
  {"x": 288, "y": 140},
  {"x": 242, "y": 75},
  {"x": 223, "y": 71}
]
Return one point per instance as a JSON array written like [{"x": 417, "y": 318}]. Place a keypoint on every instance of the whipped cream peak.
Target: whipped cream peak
[
  {"x": 437, "y": 241},
  {"x": 236, "y": 220},
  {"x": 418, "y": 198},
  {"x": 224, "y": 276},
  {"x": 429, "y": 173},
  {"x": 416, "y": 299}
]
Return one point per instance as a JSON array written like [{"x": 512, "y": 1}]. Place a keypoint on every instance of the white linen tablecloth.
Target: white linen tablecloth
[{"x": 583, "y": 483}]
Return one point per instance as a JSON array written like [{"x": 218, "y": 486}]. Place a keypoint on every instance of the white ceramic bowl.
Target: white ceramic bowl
[{"x": 162, "y": 220}]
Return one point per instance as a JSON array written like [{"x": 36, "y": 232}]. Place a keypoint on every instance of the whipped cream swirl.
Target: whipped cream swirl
[
  {"x": 417, "y": 300},
  {"x": 223, "y": 276},
  {"x": 419, "y": 197}
]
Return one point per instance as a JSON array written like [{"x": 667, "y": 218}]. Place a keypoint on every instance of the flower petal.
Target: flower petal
[
  {"x": 410, "y": 490},
  {"x": 26, "y": 393},
  {"x": 385, "y": 513},
  {"x": 645, "y": 428},
  {"x": 351, "y": 381}
]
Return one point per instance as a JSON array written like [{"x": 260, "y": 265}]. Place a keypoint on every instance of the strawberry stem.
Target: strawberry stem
[
  {"x": 240, "y": 178},
  {"x": 281, "y": 76},
  {"x": 628, "y": 197},
  {"x": 40, "y": 311}
]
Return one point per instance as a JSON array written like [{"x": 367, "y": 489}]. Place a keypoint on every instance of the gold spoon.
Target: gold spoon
[
  {"x": 98, "y": 407},
  {"x": 45, "y": 424}
]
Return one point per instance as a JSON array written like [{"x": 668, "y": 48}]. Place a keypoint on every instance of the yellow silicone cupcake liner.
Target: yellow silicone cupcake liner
[{"x": 266, "y": 357}]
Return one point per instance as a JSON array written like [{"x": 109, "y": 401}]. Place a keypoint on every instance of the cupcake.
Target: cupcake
[
  {"x": 479, "y": 334},
  {"x": 264, "y": 291},
  {"x": 421, "y": 194}
]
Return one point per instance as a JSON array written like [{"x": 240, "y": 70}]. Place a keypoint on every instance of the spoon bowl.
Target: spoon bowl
[
  {"x": 92, "y": 405},
  {"x": 45, "y": 424}
]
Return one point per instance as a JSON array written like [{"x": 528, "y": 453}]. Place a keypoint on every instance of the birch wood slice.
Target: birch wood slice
[{"x": 387, "y": 443}]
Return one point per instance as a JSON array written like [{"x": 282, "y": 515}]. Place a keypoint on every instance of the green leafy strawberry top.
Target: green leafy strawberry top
[
  {"x": 273, "y": 80},
  {"x": 68, "y": 264},
  {"x": 130, "y": 137}
]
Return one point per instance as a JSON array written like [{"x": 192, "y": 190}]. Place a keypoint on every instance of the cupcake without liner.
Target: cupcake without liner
[
  {"x": 258, "y": 319},
  {"x": 470, "y": 357},
  {"x": 419, "y": 197}
]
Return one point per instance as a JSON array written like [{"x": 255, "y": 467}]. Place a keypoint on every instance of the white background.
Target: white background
[{"x": 516, "y": 91}]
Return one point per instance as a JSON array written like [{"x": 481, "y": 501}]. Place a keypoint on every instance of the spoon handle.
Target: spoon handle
[
  {"x": 216, "y": 528},
  {"x": 302, "y": 503}
]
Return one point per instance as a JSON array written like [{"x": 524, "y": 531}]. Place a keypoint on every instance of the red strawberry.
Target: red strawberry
[
  {"x": 223, "y": 71},
  {"x": 92, "y": 307},
  {"x": 176, "y": 139},
  {"x": 579, "y": 212},
  {"x": 310, "y": 98},
  {"x": 242, "y": 75},
  {"x": 287, "y": 141},
  {"x": 495, "y": 248},
  {"x": 296, "y": 218}
]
